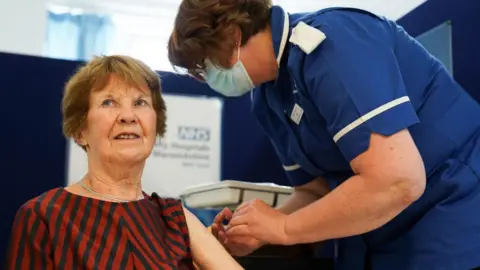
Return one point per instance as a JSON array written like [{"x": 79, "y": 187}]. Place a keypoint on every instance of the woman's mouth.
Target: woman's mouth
[{"x": 126, "y": 136}]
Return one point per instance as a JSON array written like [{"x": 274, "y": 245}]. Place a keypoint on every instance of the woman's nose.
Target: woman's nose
[{"x": 127, "y": 116}]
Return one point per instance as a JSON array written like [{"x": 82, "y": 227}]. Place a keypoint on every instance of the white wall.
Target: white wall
[
  {"x": 392, "y": 9},
  {"x": 22, "y": 26},
  {"x": 23, "y": 22}
]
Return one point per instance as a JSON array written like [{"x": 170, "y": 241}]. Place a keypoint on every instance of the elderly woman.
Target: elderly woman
[
  {"x": 113, "y": 108},
  {"x": 375, "y": 135}
]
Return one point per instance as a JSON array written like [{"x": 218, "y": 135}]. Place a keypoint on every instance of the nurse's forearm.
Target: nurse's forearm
[
  {"x": 305, "y": 195},
  {"x": 353, "y": 208},
  {"x": 297, "y": 200}
]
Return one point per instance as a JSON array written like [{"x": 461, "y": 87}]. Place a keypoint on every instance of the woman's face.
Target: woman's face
[{"x": 121, "y": 124}]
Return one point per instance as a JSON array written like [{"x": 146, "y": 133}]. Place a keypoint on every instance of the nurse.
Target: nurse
[{"x": 375, "y": 136}]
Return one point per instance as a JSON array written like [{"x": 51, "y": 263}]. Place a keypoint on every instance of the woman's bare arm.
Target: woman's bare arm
[{"x": 207, "y": 252}]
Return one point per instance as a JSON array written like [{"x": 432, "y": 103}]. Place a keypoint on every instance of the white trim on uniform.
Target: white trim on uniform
[
  {"x": 291, "y": 167},
  {"x": 281, "y": 49},
  {"x": 369, "y": 115},
  {"x": 283, "y": 42}
]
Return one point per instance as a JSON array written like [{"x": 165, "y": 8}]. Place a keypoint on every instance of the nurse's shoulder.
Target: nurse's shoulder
[
  {"x": 352, "y": 77},
  {"x": 336, "y": 28}
]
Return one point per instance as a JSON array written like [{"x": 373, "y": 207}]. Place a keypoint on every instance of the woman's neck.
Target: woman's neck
[{"x": 121, "y": 183}]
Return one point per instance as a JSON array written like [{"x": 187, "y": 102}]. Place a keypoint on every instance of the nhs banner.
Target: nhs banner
[
  {"x": 189, "y": 154},
  {"x": 187, "y": 133}
]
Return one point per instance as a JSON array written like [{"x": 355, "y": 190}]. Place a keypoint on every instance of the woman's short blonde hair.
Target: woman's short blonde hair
[{"x": 95, "y": 75}]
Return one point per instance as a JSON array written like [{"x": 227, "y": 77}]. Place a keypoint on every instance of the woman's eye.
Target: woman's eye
[
  {"x": 107, "y": 103},
  {"x": 141, "y": 102}
]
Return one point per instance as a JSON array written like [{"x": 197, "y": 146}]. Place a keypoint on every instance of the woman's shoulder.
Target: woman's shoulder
[
  {"x": 39, "y": 204},
  {"x": 170, "y": 208},
  {"x": 166, "y": 202}
]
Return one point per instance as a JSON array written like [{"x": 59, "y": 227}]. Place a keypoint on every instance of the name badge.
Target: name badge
[{"x": 297, "y": 114}]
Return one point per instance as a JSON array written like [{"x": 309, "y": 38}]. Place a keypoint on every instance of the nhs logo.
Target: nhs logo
[{"x": 189, "y": 133}]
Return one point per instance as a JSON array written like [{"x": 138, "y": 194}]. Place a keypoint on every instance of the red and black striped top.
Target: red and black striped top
[{"x": 61, "y": 230}]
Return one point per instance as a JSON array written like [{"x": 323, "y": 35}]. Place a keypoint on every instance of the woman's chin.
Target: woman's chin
[{"x": 130, "y": 156}]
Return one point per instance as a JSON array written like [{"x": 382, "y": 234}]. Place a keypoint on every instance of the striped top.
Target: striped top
[{"x": 61, "y": 230}]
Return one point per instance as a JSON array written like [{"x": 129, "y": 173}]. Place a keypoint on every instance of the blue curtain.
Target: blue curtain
[{"x": 77, "y": 36}]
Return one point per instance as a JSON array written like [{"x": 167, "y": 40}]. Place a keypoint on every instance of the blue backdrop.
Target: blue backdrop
[{"x": 465, "y": 25}]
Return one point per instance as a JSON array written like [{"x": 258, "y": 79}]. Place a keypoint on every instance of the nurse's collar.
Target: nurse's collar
[{"x": 280, "y": 25}]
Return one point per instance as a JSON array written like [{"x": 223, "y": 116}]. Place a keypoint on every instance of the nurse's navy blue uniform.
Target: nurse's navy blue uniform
[{"x": 368, "y": 75}]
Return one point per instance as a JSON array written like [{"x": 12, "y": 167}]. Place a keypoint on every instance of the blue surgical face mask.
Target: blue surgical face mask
[{"x": 233, "y": 82}]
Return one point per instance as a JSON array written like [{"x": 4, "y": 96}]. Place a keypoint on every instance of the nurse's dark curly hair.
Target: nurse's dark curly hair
[{"x": 206, "y": 28}]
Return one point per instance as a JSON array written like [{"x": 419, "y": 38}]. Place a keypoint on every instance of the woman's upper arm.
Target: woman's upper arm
[
  {"x": 29, "y": 242},
  {"x": 207, "y": 252}
]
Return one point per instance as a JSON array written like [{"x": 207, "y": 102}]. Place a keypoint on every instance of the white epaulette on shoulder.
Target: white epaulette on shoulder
[{"x": 306, "y": 37}]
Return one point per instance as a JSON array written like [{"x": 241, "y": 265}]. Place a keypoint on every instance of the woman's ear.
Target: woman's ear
[{"x": 80, "y": 139}]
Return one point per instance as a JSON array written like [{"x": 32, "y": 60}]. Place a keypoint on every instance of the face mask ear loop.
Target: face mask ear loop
[{"x": 238, "y": 44}]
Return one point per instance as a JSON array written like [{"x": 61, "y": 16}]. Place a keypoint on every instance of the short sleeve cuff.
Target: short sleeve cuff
[
  {"x": 297, "y": 176},
  {"x": 386, "y": 120}
]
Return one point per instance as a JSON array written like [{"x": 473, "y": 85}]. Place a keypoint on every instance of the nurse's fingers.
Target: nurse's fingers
[
  {"x": 244, "y": 205},
  {"x": 238, "y": 231},
  {"x": 237, "y": 249},
  {"x": 222, "y": 237},
  {"x": 240, "y": 212},
  {"x": 217, "y": 226},
  {"x": 238, "y": 220},
  {"x": 217, "y": 229},
  {"x": 241, "y": 241},
  {"x": 225, "y": 214},
  {"x": 242, "y": 244}
]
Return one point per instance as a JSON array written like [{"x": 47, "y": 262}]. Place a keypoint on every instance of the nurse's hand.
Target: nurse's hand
[
  {"x": 236, "y": 246},
  {"x": 218, "y": 229},
  {"x": 258, "y": 220}
]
